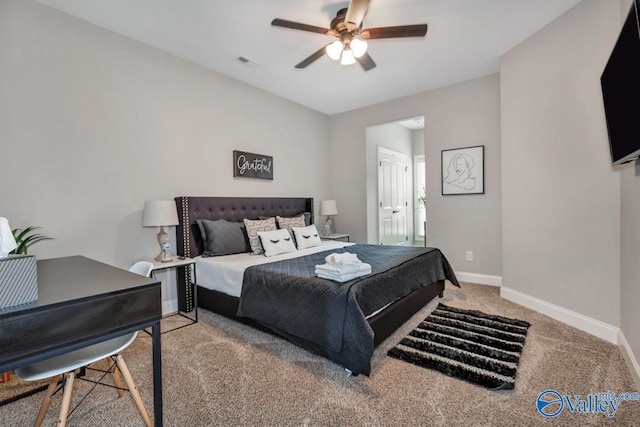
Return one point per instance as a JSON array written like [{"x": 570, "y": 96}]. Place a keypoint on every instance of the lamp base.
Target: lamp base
[
  {"x": 327, "y": 227},
  {"x": 165, "y": 246},
  {"x": 161, "y": 259}
]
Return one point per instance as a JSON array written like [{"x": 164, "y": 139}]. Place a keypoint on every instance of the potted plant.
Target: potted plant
[
  {"x": 21, "y": 286},
  {"x": 26, "y": 237},
  {"x": 422, "y": 204},
  {"x": 422, "y": 197}
]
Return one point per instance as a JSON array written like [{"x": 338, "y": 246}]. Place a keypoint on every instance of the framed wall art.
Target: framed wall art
[
  {"x": 250, "y": 165},
  {"x": 463, "y": 170}
]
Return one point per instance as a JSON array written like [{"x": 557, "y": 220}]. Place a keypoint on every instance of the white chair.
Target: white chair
[
  {"x": 66, "y": 364},
  {"x": 142, "y": 267}
]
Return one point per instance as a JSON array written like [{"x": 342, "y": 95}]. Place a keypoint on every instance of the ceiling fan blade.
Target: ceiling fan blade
[
  {"x": 298, "y": 26},
  {"x": 418, "y": 30},
  {"x": 355, "y": 14},
  {"x": 311, "y": 58},
  {"x": 366, "y": 62}
]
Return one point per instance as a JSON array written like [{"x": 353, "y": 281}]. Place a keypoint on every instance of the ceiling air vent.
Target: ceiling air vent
[{"x": 247, "y": 62}]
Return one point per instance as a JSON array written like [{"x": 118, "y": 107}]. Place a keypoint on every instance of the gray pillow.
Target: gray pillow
[
  {"x": 307, "y": 218},
  {"x": 222, "y": 237}
]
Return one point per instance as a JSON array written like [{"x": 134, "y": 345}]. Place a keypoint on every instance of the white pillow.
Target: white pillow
[
  {"x": 307, "y": 237},
  {"x": 276, "y": 242}
]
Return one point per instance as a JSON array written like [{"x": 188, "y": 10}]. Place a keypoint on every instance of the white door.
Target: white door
[{"x": 392, "y": 197}]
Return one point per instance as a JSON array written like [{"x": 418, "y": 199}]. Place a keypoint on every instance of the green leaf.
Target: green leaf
[
  {"x": 19, "y": 233},
  {"x": 24, "y": 239}
]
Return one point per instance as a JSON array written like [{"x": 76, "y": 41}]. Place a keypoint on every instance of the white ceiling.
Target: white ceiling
[{"x": 465, "y": 40}]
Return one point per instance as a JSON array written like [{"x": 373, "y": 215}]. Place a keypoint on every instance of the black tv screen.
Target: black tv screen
[{"x": 620, "y": 83}]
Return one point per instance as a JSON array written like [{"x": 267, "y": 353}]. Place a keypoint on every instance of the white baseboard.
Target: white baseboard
[
  {"x": 170, "y": 306},
  {"x": 482, "y": 279},
  {"x": 631, "y": 360},
  {"x": 577, "y": 320}
]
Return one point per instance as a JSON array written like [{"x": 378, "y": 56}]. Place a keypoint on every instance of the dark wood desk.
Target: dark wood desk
[{"x": 82, "y": 302}]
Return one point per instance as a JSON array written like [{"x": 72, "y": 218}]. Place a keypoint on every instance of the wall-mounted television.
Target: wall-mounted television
[{"x": 620, "y": 83}]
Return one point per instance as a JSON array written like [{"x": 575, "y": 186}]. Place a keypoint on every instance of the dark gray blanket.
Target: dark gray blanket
[{"x": 329, "y": 317}]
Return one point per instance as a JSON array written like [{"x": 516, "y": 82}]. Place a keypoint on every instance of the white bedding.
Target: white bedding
[{"x": 225, "y": 273}]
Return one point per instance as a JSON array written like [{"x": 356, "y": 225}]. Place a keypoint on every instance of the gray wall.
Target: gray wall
[
  {"x": 418, "y": 142},
  {"x": 630, "y": 246},
  {"x": 93, "y": 124},
  {"x": 459, "y": 115},
  {"x": 560, "y": 197}
]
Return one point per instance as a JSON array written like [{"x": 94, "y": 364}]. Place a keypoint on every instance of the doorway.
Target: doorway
[
  {"x": 405, "y": 137},
  {"x": 392, "y": 197}
]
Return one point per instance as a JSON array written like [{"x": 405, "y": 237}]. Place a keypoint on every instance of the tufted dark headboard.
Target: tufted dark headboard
[
  {"x": 188, "y": 239},
  {"x": 190, "y": 209}
]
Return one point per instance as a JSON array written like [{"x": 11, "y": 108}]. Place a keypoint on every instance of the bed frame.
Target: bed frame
[{"x": 190, "y": 244}]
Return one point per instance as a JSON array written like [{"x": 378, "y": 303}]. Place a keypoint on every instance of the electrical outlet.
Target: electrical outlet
[{"x": 469, "y": 256}]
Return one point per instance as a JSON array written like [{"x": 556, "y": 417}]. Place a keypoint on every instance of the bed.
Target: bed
[{"x": 341, "y": 321}]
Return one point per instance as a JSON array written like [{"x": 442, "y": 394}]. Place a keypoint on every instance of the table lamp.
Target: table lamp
[
  {"x": 161, "y": 213},
  {"x": 328, "y": 208}
]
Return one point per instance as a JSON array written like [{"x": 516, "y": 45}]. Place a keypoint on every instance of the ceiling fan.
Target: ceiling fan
[{"x": 351, "y": 45}]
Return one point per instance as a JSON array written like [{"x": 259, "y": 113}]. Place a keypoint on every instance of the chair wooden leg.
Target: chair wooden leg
[
  {"x": 117, "y": 380},
  {"x": 46, "y": 401},
  {"x": 66, "y": 398},
  {"x": 133, "y": 389}
]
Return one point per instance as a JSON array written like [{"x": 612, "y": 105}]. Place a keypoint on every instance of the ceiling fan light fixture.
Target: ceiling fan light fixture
[
  {"x": 358, "y": 47},
  {"x": 334, "y": 50},
  {"x": 347, "y": 57},
  {"x": 347, "y": 27}
]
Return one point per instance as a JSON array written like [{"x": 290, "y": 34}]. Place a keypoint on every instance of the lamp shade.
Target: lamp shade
[
  {"x": 335, "y": 49},
  {"x": 160, "y": 212},
  {"x": 328, "y": 207},
  {"x": 347, "y": 57},
  {"x": 358, "y": 47}
]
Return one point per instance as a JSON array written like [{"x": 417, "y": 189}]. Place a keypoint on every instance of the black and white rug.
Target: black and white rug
[{"x": 469, "y": 344}]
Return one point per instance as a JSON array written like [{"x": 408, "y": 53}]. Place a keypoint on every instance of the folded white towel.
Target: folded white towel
[
  {"x": 342, "y": 279},
  {"x": 326, "y": 273},
  {"x": 340, "y": 259},
  {"x": 332, "y": 269}
]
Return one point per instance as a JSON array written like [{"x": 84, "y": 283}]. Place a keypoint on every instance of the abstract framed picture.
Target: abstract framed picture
[{"x": 463, "y": 170}]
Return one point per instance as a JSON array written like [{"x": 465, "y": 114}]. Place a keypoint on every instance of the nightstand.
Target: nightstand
[
  {"x": 177, "y": 263},
  {"x": 336, "y": 237}
]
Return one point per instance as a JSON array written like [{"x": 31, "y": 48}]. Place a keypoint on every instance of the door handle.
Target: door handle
[{"x": 395, "y": 211}]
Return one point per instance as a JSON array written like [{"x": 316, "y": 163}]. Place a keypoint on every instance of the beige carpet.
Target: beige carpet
[{"x": 221, "y": 373}]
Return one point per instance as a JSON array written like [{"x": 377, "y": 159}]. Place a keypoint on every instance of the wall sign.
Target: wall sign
[{"x": 250, "y": 165}]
